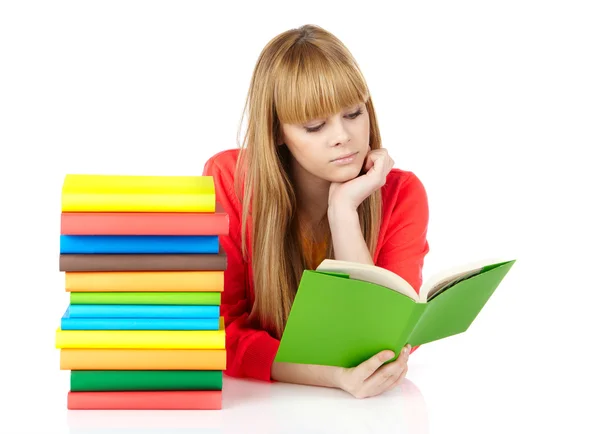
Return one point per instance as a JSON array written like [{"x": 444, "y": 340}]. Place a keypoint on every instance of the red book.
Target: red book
[
  {"x": 146, "y": 400},
  {"x": 145, "y": 223}
]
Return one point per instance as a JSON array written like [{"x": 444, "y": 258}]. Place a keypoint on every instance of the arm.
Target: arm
[
  {"x": 348, "y": 241},
  {"x": 313, "y": 375}
]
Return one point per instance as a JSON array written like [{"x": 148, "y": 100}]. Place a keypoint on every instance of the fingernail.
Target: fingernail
[
  {"x": 408, "y": 347},
  {"x": 386, "y": 355}
]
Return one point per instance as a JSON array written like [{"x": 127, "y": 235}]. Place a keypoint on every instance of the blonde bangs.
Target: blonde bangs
[{"x": 311, "y": 86}]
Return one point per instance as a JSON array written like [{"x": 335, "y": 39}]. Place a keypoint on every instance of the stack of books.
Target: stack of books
[{"x": 144, "y": 270}]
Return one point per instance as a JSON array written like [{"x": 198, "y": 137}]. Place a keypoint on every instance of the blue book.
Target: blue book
[
  {"x": 68, "y": 323},
  {"x": 142, "y": 311},
  {"x": 106, "y": 244}
]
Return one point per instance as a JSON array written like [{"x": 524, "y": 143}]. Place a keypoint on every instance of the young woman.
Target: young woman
[{"x": 310, "y": 181}]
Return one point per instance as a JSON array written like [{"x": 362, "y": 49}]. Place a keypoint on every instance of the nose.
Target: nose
[{"x": 341, "y": 134}]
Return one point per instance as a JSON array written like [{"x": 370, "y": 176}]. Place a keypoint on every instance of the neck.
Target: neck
[{"x": 312, "y": 195}]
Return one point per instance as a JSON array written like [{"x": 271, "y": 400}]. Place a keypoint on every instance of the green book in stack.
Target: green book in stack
[
  {"x": 145, "y": 298},
  {"x": 94, "y": 381},
  {"x": 344, "y": 312}
]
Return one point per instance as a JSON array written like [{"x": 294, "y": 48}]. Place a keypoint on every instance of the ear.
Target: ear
[{"x": 279, "y": 139}]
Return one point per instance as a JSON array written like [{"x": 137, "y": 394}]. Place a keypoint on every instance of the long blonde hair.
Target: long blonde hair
[{"x": 301, "y": 74}]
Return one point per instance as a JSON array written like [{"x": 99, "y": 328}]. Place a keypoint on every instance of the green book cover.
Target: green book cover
[{"x": 344, "y": 313}]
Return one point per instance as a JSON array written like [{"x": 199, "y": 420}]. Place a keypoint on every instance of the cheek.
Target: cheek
[
  {"x": 310, "y": 154},
  {"x": 309, "y": 157},
  {"x": 364, "y": 128}
]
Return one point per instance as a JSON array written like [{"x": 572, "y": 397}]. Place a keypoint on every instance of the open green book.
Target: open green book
[{"x": 345, "y": 312}]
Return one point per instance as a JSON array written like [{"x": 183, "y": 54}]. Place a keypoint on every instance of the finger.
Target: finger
[
  {"x": 402, "y": 358},
  {"x": 402, "y": 375},
  {"x": 368, "y": 161},
  {"x": 369, "y": 366},
  {"x": 398, "y": 380},
  {"x": 384, "y": 377},
  {"x": 388, "y": 374},
  {"x": 390, "y": 164},
  {"x": 376, "y": 166}
]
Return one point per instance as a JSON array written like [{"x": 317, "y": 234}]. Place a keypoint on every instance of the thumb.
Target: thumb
[{"x": 369, "y": 366}]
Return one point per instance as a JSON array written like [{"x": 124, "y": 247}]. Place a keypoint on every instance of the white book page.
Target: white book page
[
  {"x": 433, "y": 283},
  {"x": 370, "y": 273}
]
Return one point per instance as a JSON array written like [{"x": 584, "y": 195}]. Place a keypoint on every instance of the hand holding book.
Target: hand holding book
[{"x": 373, "y": 376}]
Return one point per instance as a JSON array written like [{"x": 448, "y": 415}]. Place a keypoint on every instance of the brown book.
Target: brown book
[{"x": 143, "y": 262}]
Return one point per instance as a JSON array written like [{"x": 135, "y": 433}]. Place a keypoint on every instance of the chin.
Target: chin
[{"x": 343, "y": 174}]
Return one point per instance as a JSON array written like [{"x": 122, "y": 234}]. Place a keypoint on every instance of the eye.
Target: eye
[
  {"x": 315, "y": 129},
  {"x": 351, "y": 116},
  {"x": 355, "y": 114}
]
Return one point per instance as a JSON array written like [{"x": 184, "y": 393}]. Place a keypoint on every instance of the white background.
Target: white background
[{"x": 494, "y": 105}]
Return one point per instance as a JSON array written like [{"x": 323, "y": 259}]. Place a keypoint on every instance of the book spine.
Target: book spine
[
  {"x": 128, "y": 223},
  {"x": 139, "y": 324},
  {"x": 100, "y": 380},
  {"x": 147, "y": 281},
  {"x": 142, "y": 262},
  {"x": 146, "y": 400},
  {"x": 142, "y": 311},
  {"x": 147, "y": 298},
  {"x": 142, "y": 359},
  {"x": 413, "y": 320},
  {"x": 191, "y": 339},
  {"x": 138, "y": 244},
  {"x": 134, "y": 202}
]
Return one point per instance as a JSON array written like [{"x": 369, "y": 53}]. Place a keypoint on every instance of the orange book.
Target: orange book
[
  {"x": 145, "y": 223},
  {"x": 76, "y": 359},
  {"x": 131, "y": 281},
  {"x": 146, "y": 400}
]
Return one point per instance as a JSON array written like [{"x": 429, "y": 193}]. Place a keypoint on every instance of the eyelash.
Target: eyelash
[{"x": 352, "y": 116}]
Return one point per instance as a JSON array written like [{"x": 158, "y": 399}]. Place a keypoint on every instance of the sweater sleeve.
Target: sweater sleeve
[
  {"x": 250, "y": 352},
  {"x": 405, "y": 245}
]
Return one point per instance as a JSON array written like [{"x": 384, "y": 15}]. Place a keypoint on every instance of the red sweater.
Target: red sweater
[{"x": 401, "y": 248}]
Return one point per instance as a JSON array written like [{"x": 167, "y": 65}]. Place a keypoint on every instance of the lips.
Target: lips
[{"x": 345, "y": 156}]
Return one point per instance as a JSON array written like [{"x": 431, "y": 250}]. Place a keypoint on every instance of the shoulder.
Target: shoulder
[
  {"x": 404, "y": 196},
  {"x": 222, "y": 167},
  {"x": 223, "y": 161},
  {"x": 402, "y": 183}
]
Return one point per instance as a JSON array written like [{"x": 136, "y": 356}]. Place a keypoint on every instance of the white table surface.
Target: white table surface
[{"x": 452, "y": 386}]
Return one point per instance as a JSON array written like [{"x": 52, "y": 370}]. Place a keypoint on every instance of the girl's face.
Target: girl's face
[{"x": 318, "y": 145}]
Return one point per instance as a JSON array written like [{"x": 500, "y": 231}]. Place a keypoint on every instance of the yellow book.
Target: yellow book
[
  {"x": 158, "y": 339},
  {"x": 137, "y": 193},
  {"x": 144, "y": 281}
]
